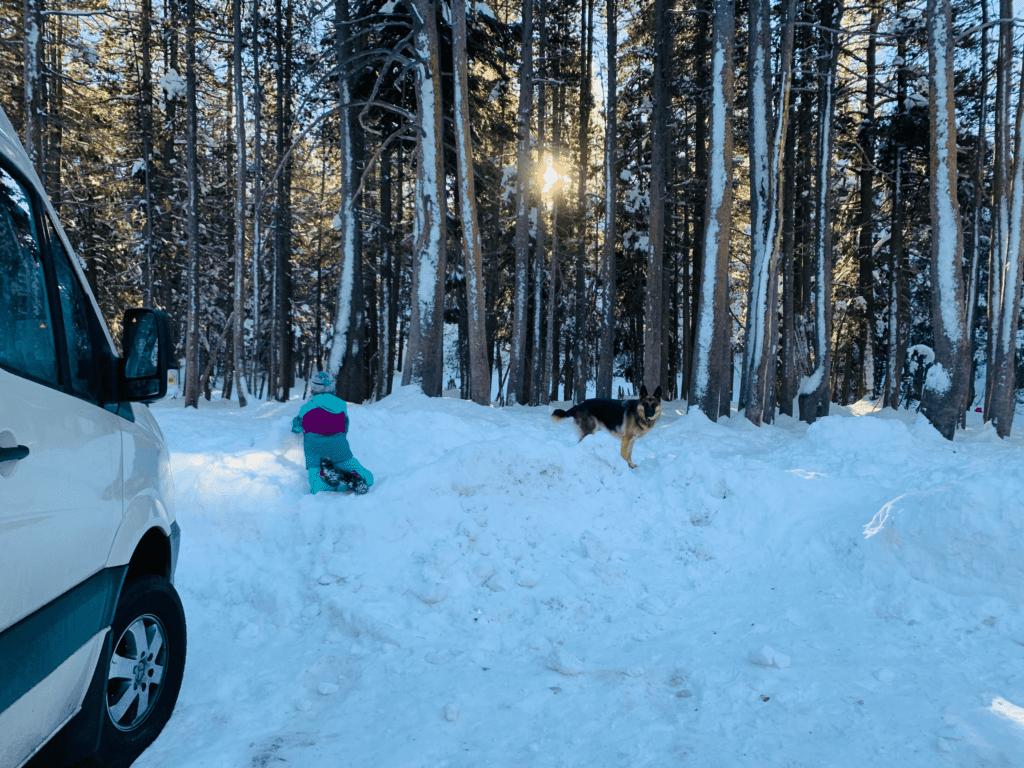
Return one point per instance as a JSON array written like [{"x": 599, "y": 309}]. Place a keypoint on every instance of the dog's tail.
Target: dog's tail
[{"x": 558, "y": 415}]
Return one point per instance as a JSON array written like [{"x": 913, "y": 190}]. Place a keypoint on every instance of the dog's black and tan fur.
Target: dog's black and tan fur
[{"x": 627, "y": 420}]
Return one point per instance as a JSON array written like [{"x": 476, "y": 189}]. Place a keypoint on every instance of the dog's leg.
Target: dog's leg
[{"x": 627, "y": 451}]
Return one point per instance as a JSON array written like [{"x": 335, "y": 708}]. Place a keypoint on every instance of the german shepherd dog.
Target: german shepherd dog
[{"x": 628, "y": 420}]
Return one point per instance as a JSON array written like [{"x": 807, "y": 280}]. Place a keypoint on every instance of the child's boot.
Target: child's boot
[
  {"x": 354, "y": 481},
  {"x": 329, "y": 474}
]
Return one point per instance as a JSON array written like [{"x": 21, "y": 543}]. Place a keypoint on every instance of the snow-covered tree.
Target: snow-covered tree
[
  {"x": 479, "y": 371},
  {"x": 816, "y": 389},
  {"x": 1006, "y": 267},
  {"x": 767, "y": 138},
  {"x": 946, "y": 385},
  {"x": 606, "y": 352},
  {"x": 654, "y": 320},
  {"x": 709, "y": 388},
  {"x": 424, "y": 362},
  {"x": 524, "y": 202}
]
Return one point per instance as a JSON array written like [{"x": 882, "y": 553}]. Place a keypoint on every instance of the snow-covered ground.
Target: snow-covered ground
[{"x": 848, "y": 594}]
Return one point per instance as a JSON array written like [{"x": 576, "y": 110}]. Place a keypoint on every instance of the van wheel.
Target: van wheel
[{"x": 143, "y": 670}]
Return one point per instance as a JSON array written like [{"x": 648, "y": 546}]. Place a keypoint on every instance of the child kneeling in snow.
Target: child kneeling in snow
[{"x": 324, "y": 423}]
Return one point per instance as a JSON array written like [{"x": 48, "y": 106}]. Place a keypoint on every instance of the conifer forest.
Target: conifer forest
[{"x": 779, "y": 204}]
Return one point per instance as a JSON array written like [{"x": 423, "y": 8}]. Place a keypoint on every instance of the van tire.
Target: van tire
[{"x": 149, "y": 630}]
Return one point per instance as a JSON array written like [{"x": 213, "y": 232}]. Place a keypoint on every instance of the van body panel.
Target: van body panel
[
  {"x": 148, "y": 486},
  {"x": 61, "y": 505},
  {"x": 33, "y": 720},
  {"x": 38, "y": 644},
  {"x": 95, "y": 478}
]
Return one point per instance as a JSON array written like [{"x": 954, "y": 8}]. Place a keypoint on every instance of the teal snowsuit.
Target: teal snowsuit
[{"x": 323, "y": 420}]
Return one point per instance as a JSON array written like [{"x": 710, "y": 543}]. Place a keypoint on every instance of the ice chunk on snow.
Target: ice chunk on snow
[
  {"x": 763, "y": 657},
  {"x": 781, "y": 660},
  {"x": 654, "y": 606},
  {"x": 445, "y": 555},
  {"x": 499, "y": 582},
  {"x": 451, "y": 713},
  {"x": 564, "y": 663},
  {"x": 483, "y": 571},
  {"x": 247, "y": 631},
  {"x": 527, "y": 578},
  {"x": 431, "y": 592},
  {"x": 326, "y": 689},
  {"x": 340, "y": 566},
  {"x": 355, "y": 623},
  {"x": 594, "y": 548}
]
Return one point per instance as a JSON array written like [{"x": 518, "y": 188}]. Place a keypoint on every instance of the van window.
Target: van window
[
  {"x": 27, "y": 344},
  {"x": 75, "y": 310}
]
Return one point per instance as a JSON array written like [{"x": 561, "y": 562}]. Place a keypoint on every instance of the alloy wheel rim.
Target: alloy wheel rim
[{"x": 136, "y": 672}]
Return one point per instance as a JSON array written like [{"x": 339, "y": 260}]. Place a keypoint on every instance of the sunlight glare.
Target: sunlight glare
[
  {"x": 551, "y": 177},
  {"x": 1011, "y": 712}
]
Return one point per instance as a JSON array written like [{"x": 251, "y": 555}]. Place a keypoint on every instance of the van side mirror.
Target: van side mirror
[{"x": 146, "y": 351}]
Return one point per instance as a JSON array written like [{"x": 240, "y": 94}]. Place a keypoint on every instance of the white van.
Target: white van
[{"x": 92, "y": 633}]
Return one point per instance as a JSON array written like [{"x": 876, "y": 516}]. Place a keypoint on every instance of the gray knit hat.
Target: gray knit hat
[{"x": 322, "y": 383}]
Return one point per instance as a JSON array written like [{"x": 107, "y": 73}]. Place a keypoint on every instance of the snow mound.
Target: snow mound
[{"x": 506, "y": 595}]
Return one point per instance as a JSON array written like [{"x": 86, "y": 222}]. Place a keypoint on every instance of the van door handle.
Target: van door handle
[{"x": 17, "y": 453}]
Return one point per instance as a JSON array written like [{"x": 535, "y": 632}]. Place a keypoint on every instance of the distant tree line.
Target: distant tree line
[{"x": 786, "y": 204}]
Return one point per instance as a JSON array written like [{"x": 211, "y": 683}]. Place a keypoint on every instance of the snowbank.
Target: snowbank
[{"x": 844, "y": 594}]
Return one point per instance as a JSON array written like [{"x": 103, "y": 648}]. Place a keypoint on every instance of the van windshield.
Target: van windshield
[{"x": 26, "y": 332}]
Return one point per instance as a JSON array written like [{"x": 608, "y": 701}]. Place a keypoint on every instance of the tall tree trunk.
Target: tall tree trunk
[
  {"x": 654, "y": 293},
  {"x": 1001, "y": 176},
  {"x": 238, "y": 339},
  {"x": 146, "y": 125},
  {"x": 980, "y": 203},
  {"x": 171, "y": 194},
  {"x": 347, "y": 348},
  {"x": 257, "y": 190},
  {"x": 580, "y": 351},
  {"x": 551, "y": 355},
  {"x": 702, "y": 53},
  {"x": 479, "y": 373},
  {"x": 385, "y": 235},
  {"x": 711, "y": 353},
  {"x": 865, "y": 246},
  {"x": 396, "y": 330},
  {"x": 318, "y": 339},
  {"x": 283, "y": 206},
  {"x": 54, "y": 132},
  {"x": 192, "y": 213},
  {"x": 606, "y": 355},
  {"x": 539, "y": 379},
  {"x": 33, "y": 77},
  {"x": 815, "y": 390},
  {"x": 1004, "y": 308},
  {"x": 766, "y": 209},
  {"x": 425, "y": 357},
  {"x": 946, "y": 383},
  {"x": 898, "y": 309},
  {"x": 524, "y": 185},
  {"x": 787, "y": 376}
]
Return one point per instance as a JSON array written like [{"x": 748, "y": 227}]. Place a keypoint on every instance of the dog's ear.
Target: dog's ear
[
  {"x": 657, "y": 393},
  {"x": 643, "y": 391}
]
